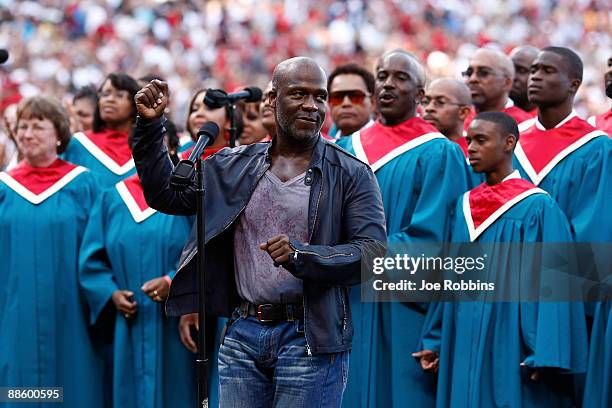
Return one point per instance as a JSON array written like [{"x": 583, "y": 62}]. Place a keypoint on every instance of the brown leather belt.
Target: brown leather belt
[{"x": 268, "y": 313}]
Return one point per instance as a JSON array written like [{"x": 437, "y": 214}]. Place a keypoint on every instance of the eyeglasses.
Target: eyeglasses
[
  {"x": 356, "y": 97},
  {"x": 36, "y": 128},
  {"x": 481, "y": 73},
  {"x": 438, "y": 102}
]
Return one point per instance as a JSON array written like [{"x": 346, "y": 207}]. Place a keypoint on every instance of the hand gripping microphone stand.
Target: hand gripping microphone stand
[{"x": 182, "y": 177}]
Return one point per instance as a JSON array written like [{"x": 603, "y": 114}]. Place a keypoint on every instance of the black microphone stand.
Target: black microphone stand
[
  {"x": 231, "y": 108},
  {"x": 181, "y": 178},
  {"x": 202, "y": 359}
]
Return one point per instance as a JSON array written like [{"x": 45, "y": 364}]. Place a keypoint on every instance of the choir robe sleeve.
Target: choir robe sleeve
[
  {"x": 96, "y": 277},
  {"x": 435, "y": 324},
  {"x": 554, "y": 333},
  {"x": 442, "y": 175},
  {"x": 591, "y": 217}
]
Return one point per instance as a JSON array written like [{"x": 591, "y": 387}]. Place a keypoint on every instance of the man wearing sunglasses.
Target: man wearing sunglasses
[
  {"x": 490, "y": 76},
  {"x": 420, "y": 173},
  {"x": 351, "y": 100}
]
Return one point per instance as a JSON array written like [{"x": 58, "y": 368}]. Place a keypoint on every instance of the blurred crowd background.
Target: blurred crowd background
[{"x": 57, "y": 46}]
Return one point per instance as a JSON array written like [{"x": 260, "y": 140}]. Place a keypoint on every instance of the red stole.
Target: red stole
[
  {"x": 110, "y": 147},
  {"x": 603, "y": 122},
  {"x": 514, "y": 112},
  {"x": 379, "y": 144},
  {"x": 36, "y": 184},
  {"x": 483, "y": 205},
  {"x": 132, "y": 194},
  {"x": 539, "y": 150},
  {"x": 462, "y": 142}
]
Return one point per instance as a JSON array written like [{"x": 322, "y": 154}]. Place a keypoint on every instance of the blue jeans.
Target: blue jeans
[{"x": 266, "y": 365}]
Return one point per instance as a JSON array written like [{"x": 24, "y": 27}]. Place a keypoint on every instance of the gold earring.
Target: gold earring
[{"x": 58, "y": 143}]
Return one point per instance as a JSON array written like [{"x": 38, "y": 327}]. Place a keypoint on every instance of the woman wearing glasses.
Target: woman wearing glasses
[
  {"x": 105, "y": 150},
  {"x": 44, "y": 202}
]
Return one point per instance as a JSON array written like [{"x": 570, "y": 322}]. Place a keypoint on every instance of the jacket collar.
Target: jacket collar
[{"x": 317, "y": 154}]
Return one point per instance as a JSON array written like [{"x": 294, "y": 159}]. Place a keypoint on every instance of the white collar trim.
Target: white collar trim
[
  {"x": 138, "y": 214},
  {"x": 569, "y": 117},
  {"x": 536, "y": 178},
  {"x": 467, "y": 211},
  {"x": 361, "y": 155},
  {"x": 514, "y": 175},
  {"x": 103, "y": 157},
  {"x": 39, "y": 198}
]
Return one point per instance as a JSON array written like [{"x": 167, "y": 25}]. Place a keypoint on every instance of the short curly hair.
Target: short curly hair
[{"x": 46, "y": 107}]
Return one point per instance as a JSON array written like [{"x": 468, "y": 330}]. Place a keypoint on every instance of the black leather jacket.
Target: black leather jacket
[{"x": 346, "y": 225}]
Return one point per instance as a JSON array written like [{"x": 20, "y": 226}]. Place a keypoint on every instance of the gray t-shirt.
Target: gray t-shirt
[{"x": 275, "y": 208}]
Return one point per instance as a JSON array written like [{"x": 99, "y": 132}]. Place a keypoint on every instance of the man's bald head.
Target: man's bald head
[
  {"x": 447, "y": 104},
  {"x": 528, "y": 51},
  {"x": 452, "y": 87},
  {"x": 494, "y": 59},
  {"x": 299, "y": 96},
  {"x": 417, "y": 68},
  {"x": 489, "y": 77},
  {"x": 398, "y": 86},
  {"x": 289, "y": 67}
]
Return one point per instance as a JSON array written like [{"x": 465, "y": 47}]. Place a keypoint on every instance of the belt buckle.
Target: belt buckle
[{"x": 260, "y": 311}]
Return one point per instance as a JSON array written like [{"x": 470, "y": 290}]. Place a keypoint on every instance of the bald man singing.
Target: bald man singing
[
  {"x": 282, "y": 247},
  {"x": 490, "y": 76},
  {"x": 420, "y": 173}
]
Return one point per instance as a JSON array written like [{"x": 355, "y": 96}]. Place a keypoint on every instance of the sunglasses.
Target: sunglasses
[{"x": 356, "y": 97}]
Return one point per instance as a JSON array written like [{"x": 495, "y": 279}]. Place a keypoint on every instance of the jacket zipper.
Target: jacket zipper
[
  {"x": 343, "y": 313},
  {"x": 297, "y": 251},
  {"x": 314, "y": 223}
]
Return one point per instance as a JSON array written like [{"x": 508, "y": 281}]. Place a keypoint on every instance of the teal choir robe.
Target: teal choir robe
[
  {"x": 126, "y": 243},
  {"x": 106, "y": 153},
  {"x": 44, "y": 340},
  {"x": 598, "y": 390},
  {"x": 482, "y": 344},
  {"x": 420, "y": 173},
  {"x": 573, "y": 163},
  {"x": 185, "y": 142}
]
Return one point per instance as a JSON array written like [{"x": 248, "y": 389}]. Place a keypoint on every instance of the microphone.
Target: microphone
[
  {"x": 182, "y": 175},
  {"x": 4, "y": 55},
  {"x": 217, "y": 98}
]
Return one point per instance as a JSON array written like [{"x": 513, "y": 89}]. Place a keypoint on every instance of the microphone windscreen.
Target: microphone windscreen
[
  {"x": 211, "y": 129},
  {"x": 215, "y": 98},
  {"x": 4, "y": 55},
  {"x": 255, "y": 94}
]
